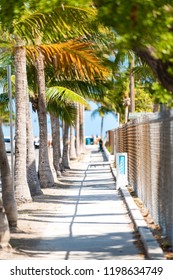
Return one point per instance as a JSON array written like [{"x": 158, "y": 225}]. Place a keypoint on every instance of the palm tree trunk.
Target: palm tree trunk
[
  {"x": 4, "y": 228},
  {"x": 101, "y": 131},
  {"x": 132, "y": 91},
  {"x": 77, "y": 132},
  {"x": 22, "y": 191},
  {"x": 45, "y": 173},
  {"x": 56, "y": 144},
  {"x": 81, "y": 129},
  {"x": 8, "y": 196},
  {"x": 72, "y": 151},
  {"x": 126, "y": 113},
  {"x": 32, "y": 177},
  {"x": 65, "y": 156}
]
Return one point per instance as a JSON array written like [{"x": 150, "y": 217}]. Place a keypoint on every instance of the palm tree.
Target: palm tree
[
  {"x": 60, "y": 94},
  {"x": 73, "y": 52},
  {"x": 91, "y": 90},
  {"x": 80, "y": 61},
  {"x": 4, "y": 228},
  {"x": 81, "y": 128},
  {"x": 87, "y": 67},
  {"x": 61, "y": 104},
  {"x": 23, "y": 31},
  {"x": 78, "y": 150},
  {"x": 16, "y": 46},
  {"x": 32, "y": 177},
  {"x": 132, "y": 85},
  {"x": 121, "y": 93},
  {"x": 102, "y": 111},
  {"x": 65, "y": 153},
  {"x": 8, "y": 197},
  {"x": 72, "y": 151},
  {"x": 44, "y": 170},
  {"x": 56, "y": 143},
  {"x": 22, "y": 191}
]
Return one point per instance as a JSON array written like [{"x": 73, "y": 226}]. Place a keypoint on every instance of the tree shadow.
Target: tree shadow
[
  {"x": 106, "y": 246},
  {"x": 84, "y": 227}
]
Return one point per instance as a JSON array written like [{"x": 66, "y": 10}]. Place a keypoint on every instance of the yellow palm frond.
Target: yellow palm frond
[{"x": 72, "y": 58}]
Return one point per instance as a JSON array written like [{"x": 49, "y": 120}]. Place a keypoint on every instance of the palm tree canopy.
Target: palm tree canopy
[
  {"x": 102, "y": 112},
  {"x": 58, "y": 22},
  {"x": 73, "y": 58},
  {"x": 60, "y": 102}
]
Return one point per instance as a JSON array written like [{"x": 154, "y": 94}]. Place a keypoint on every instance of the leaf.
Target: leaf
[
  {"x": 63, "y": 95},
  {"x": 57, "y": 23},
  {"x": 72, "y": 58}
]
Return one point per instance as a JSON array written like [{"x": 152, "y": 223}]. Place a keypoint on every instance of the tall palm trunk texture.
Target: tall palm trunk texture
[
  {"x": 81, "y": 128},
  {"x": 22, "y": 191},
  {"x": 101, "y": 129},
  {"x": 8, "y": 196},
  {"x": 44, "y": 170},
  {"x": 32, "y": 177},
  {"x": 4, "y": 228},
  {"x": 56, "y": 144},
  {"x": 77, "y": 132},
  {"x": 65, "y": 155},
  {"x": 132, "y": 85},
  {"x": 72, "y": 152}
]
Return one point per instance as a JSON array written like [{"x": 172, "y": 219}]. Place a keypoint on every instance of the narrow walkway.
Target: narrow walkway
[
  {"x": 85, "y": 218},
  {"x": 93, "y": 222}
]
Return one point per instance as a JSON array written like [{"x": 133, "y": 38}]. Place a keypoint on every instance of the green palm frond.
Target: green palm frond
[
  {"x": 63, "y": 95},
  {"x": 142, "y": 71},
  {"x": 89, "y": 90},
  {"x": 61, "y": 102},
  {"x": 4, "y": 117},
  {"x": 62, "y": 22},
  {"x": 68, "y": 114},
  {"x": 6, "y": 55},
  {"x": 4, "y": 99},
  {"x": 5, "y": 44},
  {"x": 4, "y": 111},
  {"x": 71, "y": 21},
  {"x": 95, "y": 113},
  {"x": 65, "y": 112},
  {"x": 3, "y": 79},
  {"x": 102, "y": 111}
]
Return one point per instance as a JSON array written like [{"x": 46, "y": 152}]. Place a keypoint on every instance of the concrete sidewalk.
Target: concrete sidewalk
[
  {"x": 90, "y": 219},
  {"x": 93, "y": 221}
]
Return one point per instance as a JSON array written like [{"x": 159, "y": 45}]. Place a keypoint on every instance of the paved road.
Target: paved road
[{"x": 92, "y": 222}]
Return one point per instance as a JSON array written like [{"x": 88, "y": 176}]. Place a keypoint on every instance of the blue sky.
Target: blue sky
[{"x": 92, "y": 126}]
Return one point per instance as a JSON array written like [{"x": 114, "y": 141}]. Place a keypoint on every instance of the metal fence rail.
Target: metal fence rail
[{"x": 149, "y": 144}]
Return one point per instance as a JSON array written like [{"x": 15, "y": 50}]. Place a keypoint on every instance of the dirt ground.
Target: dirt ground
[
  {"x": 33, "y": 217},
  {"x": 28, "y": 226},
  {"x": 155, "y": 229}
]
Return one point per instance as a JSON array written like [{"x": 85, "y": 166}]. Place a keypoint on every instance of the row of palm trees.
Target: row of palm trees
[
  {"x": 58, "y": 58},
  {"x": 58, "y": 47}
]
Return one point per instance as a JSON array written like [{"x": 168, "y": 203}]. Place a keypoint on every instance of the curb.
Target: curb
[{"x": 152, "y": 247}]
